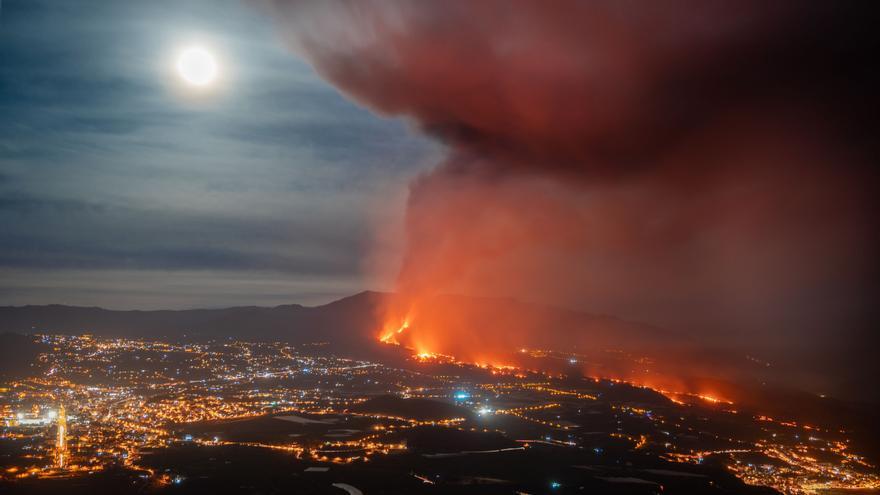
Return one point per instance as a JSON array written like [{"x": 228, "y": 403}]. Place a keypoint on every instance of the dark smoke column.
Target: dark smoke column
[{"x": 700, "y": 165}]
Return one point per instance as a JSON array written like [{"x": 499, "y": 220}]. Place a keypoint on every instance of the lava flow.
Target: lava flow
[
  {"x": 390, "y": 337},
  {"x": 546, "y": 362}
]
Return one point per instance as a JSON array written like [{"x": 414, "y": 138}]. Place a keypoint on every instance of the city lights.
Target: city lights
[{"x": 102, "y": 403}]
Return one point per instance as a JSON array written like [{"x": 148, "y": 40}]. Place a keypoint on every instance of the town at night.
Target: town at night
[{"x": 145, "y": 414}]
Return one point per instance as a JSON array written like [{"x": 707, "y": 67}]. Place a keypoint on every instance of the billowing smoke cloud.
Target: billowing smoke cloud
[{"x": 701, "y": 165}]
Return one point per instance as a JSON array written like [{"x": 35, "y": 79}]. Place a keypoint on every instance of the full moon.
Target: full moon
[{"x": 197, "y": 66}]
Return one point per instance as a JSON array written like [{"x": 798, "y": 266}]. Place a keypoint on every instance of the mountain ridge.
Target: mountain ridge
[{"x": 8, "y": 314}]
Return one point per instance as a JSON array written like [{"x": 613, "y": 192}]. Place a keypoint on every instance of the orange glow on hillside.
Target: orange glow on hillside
[
  {"x": 390, "y": 336},
  {"x": 436, "y": 350}
]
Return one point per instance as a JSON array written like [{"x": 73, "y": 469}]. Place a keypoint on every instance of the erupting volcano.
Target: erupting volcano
[
  {"x": 450, "y": 246},
  {"x": 694, "y": 165}
]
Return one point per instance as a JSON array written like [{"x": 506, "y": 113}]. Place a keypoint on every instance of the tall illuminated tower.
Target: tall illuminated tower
[{"x": 61, "y": 442}]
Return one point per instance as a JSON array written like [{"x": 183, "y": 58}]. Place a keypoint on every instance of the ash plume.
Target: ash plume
[{"x": 700, "y": 165}]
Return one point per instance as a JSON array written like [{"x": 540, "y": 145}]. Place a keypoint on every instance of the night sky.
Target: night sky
[{"x": 118, "y": 189}]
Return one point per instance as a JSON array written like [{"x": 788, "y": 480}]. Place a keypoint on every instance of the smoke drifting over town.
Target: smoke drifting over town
[{"x": 698, "y": 165}]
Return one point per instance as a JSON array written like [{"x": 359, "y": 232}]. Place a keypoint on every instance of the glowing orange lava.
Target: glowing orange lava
[
  {"x": 459, "y": 331},
  {"x": 390, "y": 337}
]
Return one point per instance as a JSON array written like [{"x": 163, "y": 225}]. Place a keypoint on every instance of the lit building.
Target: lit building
[{"x": 61, "y": 442}]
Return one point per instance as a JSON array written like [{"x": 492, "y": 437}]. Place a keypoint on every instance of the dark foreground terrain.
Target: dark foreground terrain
[{"x": 541, "y": 469}]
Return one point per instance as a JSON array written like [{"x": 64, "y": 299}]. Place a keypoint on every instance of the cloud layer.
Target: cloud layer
[{"x": 107, "y": 168}]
